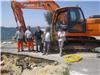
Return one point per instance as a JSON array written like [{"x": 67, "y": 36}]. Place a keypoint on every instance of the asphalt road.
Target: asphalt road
[{"x": 88, "y": 66}]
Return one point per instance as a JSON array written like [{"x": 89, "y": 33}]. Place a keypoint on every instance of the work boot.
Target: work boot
[
  {"x": 43, "y": 54},
  {"x": 60, "y": 54}
]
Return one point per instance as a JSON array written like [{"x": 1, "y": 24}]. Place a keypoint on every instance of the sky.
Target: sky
[{"x": 35, "y": 17}]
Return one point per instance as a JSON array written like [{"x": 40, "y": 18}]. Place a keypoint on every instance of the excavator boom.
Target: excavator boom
[{"x": 17, "y": 7}]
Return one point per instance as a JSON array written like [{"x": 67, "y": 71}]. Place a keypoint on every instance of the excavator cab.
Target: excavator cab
[{"x": 71, "y": 19}]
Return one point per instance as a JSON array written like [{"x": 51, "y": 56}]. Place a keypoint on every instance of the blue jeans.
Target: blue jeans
[
  {"x": 47, "y": 47},
  {"x": 61, "y": 43},
  {"x": 39, "y": 43}
]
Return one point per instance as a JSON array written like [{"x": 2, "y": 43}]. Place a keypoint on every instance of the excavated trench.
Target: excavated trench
[{"x": 15, "y": 64}]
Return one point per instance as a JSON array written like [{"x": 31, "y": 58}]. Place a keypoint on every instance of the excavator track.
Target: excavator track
[
  {"x": 77, "y": 44},
  {"x": 82, "y": 43}
]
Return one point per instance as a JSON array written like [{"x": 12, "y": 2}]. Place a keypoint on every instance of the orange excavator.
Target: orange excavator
[
  {"x": 78, "y": 29},
  {"x": 85, "y": 32}
]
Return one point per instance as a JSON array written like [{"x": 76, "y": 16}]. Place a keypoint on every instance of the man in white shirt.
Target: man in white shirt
[
  {"x": 47, "y": 40},
  {"x": 28, "y": 36},
  {"x": 61, "y": 39}
]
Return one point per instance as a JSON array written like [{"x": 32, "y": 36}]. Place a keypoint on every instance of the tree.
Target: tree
[{"x": 48, "y": 17}]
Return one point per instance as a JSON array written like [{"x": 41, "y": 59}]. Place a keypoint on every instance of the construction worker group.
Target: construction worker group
[{"x": 41, "y": 38}]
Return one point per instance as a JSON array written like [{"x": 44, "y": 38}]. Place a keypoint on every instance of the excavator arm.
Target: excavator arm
[
  {"x": 35, "y": 4},
  {"x": 18, "y": 14}
]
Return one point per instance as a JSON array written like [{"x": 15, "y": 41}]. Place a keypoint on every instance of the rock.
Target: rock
[
  {"x": 52, "y": 70},
  {"x": 97, "y": 49},
  {"x": 60, "y": 69},
  {"x": 31, "y": 66}
]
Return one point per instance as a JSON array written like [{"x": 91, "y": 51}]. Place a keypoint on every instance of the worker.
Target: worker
[
  {"x": 29, "y": 38},
  {"x": 19, "y": 37},
  {"x": 47, "y": 41},
  {"x": 38, "y": 37},
  {"x": 61, "y": 39}
]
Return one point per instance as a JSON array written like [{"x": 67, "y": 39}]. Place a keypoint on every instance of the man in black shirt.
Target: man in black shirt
[{"x": 38, "y": 38}]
